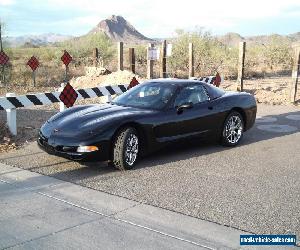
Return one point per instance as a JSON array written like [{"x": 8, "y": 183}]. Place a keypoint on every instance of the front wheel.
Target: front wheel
[
  {"x": 126, "y": 149},
  {"x": 233, "y": 129}
]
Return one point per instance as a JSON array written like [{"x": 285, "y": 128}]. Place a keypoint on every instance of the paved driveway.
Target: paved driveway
[{"x": 253, "y": 187}]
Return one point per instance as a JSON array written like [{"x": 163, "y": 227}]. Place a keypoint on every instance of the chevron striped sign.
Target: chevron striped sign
[
  {"x": 53, "y": 97},
  {"x": 215, "y": 80}
]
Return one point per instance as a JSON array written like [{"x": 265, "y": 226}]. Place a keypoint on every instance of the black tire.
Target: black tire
[
  {"x": 120, "y": 159},
  {"x": 232, "y": 139}
]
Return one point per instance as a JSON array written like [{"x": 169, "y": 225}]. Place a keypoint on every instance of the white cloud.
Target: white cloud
[
  {"x": 6, "y": 2},
  {"x": 159, "y": 18}
]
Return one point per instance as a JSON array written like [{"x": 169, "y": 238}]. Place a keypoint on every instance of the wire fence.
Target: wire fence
[{"x": 51, "y": 70}]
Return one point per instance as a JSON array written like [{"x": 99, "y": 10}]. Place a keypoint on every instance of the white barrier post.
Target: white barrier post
[
  {"x": 109, "y": 98},
  {"x": 62, "y": 106},
  {"x": 11, "y": 115}
]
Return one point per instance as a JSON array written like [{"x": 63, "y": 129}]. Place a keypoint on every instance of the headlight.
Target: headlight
[{"x": 86, "y": 149}]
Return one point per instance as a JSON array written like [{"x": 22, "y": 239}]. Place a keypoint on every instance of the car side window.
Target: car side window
[{"x": 191, "y": 94}]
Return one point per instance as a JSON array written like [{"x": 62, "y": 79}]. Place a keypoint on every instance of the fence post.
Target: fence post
[
  {"x": 3, "y": 82},
  {"x": 95, "y": 57},
  {"x": 295, "y": 75},
  {"x": 150, "y": 63},
  {"x": 120, "y": 56},
  {"x": 11, "y": 115},
  {"x": 33, "y": 77},
  {"x": 240, "y": 80},
  {"x": 62, "y": 106},
  {"x": 163, "y": 69},
  {"x": 132, "y": 60},
  {"x": 191, "y": 60}
]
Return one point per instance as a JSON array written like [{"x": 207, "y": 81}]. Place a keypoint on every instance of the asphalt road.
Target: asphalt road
[
  {"x": 41, "y": 212},
  {"x": 253, "y": 187}
]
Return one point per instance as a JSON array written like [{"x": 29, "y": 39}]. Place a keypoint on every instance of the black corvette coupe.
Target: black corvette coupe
[{"x": 147, "y": 117}]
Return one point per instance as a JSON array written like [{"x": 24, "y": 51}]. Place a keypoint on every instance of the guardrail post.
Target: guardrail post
[
  {"x": 109, "y": 98},
  {"x": 62, "y": 106},
  {"x": 11, "y": 117}
]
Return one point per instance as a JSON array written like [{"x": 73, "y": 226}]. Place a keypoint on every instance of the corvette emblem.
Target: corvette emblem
[{"x": 55, "y": 130}]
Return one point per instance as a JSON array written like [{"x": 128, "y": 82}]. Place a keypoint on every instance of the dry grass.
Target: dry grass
[{"x": 6, "y": 140}]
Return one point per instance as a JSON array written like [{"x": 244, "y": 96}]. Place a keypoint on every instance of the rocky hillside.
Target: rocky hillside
[{"x": 118, "y": 29}]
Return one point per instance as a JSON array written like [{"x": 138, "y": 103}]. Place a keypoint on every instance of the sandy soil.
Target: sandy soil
[
  {"x": 119, "y": 77},
  {"x": 273, "y": 91}
]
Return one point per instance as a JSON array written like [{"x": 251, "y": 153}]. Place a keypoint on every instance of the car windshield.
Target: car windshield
[{"x": 147, "y": 95}]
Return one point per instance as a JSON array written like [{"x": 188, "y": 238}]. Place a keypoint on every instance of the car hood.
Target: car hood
[{"x": 87, "y": 118}]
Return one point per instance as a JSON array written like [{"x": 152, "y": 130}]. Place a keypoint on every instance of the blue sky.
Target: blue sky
[{"x": 155, "y": 18}]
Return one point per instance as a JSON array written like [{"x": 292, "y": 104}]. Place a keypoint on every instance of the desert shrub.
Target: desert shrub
[
  {"x": 271, "y": 58},
  {"x": 278, "y": 53},
  {"x": 141, "y": 54},
  {"x": 210, "y": 56},
  {"x": 82, "y": 47}
]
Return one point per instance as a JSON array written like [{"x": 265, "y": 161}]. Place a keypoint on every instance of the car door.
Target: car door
[{"x": 193, "y": 121}]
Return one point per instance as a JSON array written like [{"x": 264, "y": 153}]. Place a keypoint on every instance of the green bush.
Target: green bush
[
  {"x": 278, "y": 53},
  {"x": 210, "y": 56},
  {"x": 82, "y": 47}
]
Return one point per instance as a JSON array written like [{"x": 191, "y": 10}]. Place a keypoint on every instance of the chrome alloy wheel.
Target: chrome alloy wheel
[
  {"x": 132, "y": 149},
  {"x": 233, "y": 129}
]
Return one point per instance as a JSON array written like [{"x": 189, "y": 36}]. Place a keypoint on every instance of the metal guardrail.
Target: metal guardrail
[{"x": 11, "y": 102}]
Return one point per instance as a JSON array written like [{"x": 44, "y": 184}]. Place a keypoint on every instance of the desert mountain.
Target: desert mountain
[
  {"x": 232, "y": 39},
  {"x": 35, "y": 40},
  {"x": 118, "y": 29}
]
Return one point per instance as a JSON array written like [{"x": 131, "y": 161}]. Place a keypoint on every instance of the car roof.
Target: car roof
[
  {"x": 174, "y": 81},
  {"x": 213, "y": 91}
]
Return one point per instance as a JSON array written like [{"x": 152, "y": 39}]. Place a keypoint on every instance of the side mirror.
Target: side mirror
[{"x": 183, "y": 106}]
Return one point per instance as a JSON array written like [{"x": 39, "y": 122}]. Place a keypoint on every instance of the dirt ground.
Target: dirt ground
[{"x": 275, "y": 90}]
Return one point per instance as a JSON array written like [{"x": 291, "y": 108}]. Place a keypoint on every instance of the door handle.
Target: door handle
[{"x": 210, "y": 107}]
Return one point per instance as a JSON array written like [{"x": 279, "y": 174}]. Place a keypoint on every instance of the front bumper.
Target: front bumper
[{"x": 60, "y": 150}]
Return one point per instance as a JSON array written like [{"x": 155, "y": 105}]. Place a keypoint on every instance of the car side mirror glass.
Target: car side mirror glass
[{"x": 183, "y": 106}]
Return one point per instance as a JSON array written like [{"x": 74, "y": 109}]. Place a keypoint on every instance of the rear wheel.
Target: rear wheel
[
  {"x": 126, "y": 149},
  {"x": 232, "y": 129}
]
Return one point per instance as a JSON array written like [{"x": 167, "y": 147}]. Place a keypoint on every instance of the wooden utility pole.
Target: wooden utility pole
[
  {"x": 191, "y": 60},
  {"x": 295, "y": 75},
  {"x": 95, "y": 57},
  {"x": 120, "y": 56},
  {"x": 1, "y": 49},
  {"x": 131, "y": 60},
  {"x": 150, "y": 63},
  {"x": 1, "y": 45},
  {"x": 240, "y": 80},
  {"x": 163, "y": 69}
]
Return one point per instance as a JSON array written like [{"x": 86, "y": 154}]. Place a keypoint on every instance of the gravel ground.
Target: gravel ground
[{"x": 253, "y": 187}]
